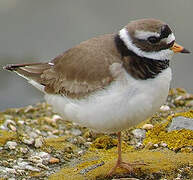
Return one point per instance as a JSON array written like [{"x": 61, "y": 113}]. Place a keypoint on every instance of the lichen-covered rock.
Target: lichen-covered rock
[
  {"x": 159, "y": 164},
  {"x": 7, "y": 136},
  {"x": 175, "y": 139},
  {"x": 36, "y": 143}
]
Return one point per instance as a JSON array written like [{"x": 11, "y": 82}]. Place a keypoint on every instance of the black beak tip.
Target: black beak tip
[{"x": 185, "y": 51}]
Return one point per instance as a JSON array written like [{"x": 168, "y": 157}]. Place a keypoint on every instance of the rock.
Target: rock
[
  {"x": 33, "y": 134},
  {"x": 24, "y": 150},
  {"x": 155, "y": 145},
  {"x": 55, "y": 132},
  {"x": 11, "y": 144},
  {"x": 49, "y": 120},
  {"x": 164, "y": 108},
  {"x": 45, "y": 156},
  {"x": 163, "y": 144},
  {"x": 179, "y": 98},
  {"x": 81, "y": 152},
  {"x": 42, "y": 166},
  {"x": 56, "y": 117},
  {"x": 11, "y": 170},
  {"x": 188, "y": 96},
  {"x": 181, "y": 122},
  {"x": 21, "y": 122},
  {"x": 7, "y": 123},
  {"x": 147, "y": 126},
  {"x": 139, "y": 145},
  {"x": 53, "y": 160},
  {"x": 28, "y": 141},
  {"x": 38, "y": 131},
  {"x": 4, "y": 163},
  {"x": 7, "y": 171},
  {"x": 21, "y": 164},
  {"x": 76, "y": 132},
  {"x": 31, "y": 168},
  {"x": 35, "y": 159},
  {"x": 13, "y": 128},
  {"x": 80, "y": 140},
  {"x": 139, "y": 133},
  {"x": 38, "y": 142},
  {"x": 89, "y": 139},
  {"x": 190, "y": 103},
  {"x": 29, "y": 108},
  {"x": 87, "y": 144}
]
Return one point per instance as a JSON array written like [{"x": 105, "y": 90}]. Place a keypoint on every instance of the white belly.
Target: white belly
[{"x": 125, "y": 103}]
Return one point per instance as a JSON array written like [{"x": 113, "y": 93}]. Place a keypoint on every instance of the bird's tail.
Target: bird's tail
[{"x": 31, "y": 71}]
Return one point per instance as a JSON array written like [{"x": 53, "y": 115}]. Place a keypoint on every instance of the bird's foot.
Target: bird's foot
[{"x": 124, "y": 165}]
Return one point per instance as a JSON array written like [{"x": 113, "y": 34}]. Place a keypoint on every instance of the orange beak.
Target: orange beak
[{"x": 179, "y": 49}]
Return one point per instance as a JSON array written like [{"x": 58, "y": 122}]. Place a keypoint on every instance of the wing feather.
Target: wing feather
[{"x": 77, "y": 72}]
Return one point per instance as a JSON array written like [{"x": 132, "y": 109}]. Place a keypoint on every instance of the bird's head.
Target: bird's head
[{"x": 150, "y": 38}]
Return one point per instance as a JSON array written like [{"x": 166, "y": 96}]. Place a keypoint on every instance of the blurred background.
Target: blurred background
[{"x": 38, "y": 30}]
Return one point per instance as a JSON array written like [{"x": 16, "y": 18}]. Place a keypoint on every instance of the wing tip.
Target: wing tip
[
  {"x": 13, "y": 67},
  {"x": 10, "y": 67}
]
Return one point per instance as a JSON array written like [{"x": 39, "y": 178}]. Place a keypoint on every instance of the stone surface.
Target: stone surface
[
  {"x": 181, "y": 122},
  {"x": 38, "y": 142},
  {"x": 44, "y": 146},
  {"x": 76, "y": 132},
  {"x": 11, "y": 144},
  {"x": 164, "y": 108},
  {"x": 139, "y": 133},
  {"x": 147, "y": 126}
]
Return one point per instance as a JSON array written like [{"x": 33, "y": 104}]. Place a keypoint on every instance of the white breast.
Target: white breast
[{"x": 126, "y": 102}]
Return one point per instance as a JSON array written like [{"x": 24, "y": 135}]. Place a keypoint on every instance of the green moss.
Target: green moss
[{"x": 175, "y": 139}]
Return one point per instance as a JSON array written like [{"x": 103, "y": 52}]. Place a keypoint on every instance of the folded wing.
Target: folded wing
[{"x": 77, "y": 72}]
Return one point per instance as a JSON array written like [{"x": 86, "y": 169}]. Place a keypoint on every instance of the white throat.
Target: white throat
[{"x": 157, "y": 55}]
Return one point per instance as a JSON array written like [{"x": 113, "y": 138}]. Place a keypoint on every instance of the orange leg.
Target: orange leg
[{"x": 120, "y": 163}]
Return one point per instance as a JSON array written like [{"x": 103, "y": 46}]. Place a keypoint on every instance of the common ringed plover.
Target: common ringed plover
[{"x": 111, "y": 82}]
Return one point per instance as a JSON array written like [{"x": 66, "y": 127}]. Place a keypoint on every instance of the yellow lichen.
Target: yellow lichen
[
  {"x": 104, "y": 142},
  {"x": 59, "y": 143},
  {"x": 7, "y": 136},
  {"x": 175, "y": 139},
  {"x": 165, "y": 161},
  {"x": 186, "y": 149}
]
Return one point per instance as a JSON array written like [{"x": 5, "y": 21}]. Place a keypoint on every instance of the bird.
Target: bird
[{"x": 110, "y": 82}]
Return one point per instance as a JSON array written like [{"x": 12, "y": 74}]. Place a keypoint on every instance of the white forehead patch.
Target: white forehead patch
[
  {"x": 157, "y": 55},
  {"x": 145, "y": 34},
  {"x": 170, "y": 38}
]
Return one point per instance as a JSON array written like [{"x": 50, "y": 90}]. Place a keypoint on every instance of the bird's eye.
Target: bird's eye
[{"x": 153, "y": 39}]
